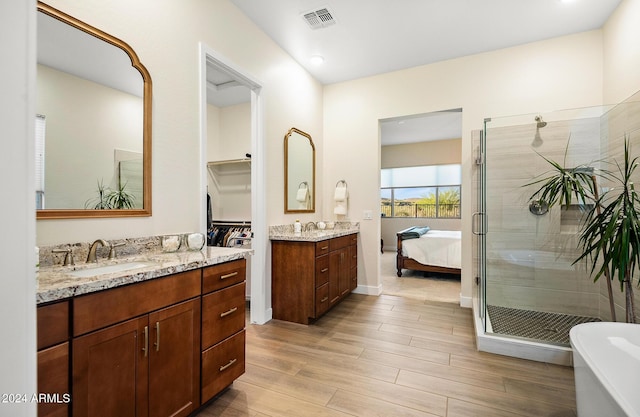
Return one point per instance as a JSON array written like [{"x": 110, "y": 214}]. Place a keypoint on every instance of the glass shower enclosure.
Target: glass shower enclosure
[{"x": 530, "y": 286}]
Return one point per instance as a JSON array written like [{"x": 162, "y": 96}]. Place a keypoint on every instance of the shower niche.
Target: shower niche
[{"x": 530, "y": 286}]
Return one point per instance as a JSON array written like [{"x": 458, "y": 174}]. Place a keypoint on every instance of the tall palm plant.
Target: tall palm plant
[{"x": 610, "y": 235}]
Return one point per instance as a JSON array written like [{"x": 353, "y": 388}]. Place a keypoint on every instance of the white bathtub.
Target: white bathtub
[
  {"x": 606, "y": 360},
  {"x": 536, "y": 259}
]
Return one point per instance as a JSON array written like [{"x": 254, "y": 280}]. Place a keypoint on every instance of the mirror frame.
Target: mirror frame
[
  {"x": 145, "y": 211},
  {"x": 286, "y": 172}
]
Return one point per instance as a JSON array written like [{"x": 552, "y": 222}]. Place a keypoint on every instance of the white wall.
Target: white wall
[
  {"x": 621, "y": 53},
  {"x": 17, "y": 256},
  {"x": 559, "y": 73},
  {"x": 229, "y": 138}
]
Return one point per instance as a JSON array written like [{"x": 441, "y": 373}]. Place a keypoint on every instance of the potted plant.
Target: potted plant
[
  {"x": 111, "y": 199},
  {"x": 120, "y": 199},
  {"x": 99, "y": 202},
  {"x": 610, "y": 233}
]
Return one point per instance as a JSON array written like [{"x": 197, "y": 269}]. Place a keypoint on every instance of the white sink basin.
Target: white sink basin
[{"x": 108, "y": 269}]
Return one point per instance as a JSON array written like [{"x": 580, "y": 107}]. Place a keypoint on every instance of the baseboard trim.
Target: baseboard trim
[
  {"x": 368, "y": 290},
  {"x": 466, "y": 302}
]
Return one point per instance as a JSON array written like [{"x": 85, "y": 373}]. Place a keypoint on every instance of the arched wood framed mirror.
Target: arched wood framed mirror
[
  {"x": 299, "y": 172},
  {"x": 94, "y": 96}
]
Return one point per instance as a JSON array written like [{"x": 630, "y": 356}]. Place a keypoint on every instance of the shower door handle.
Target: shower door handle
[{"x": 474, "y": 224}]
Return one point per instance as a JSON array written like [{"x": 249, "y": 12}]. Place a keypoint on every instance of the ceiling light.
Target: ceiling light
[{"x": 317, "y": 60}]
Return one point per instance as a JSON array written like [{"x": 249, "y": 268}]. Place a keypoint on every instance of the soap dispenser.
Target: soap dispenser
[{"x": 297, "y": 227}]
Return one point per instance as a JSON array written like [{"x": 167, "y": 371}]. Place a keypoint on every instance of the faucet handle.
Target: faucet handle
[
  {"x": 68, "y": 255},
  {"x": 112, "y": 249}
]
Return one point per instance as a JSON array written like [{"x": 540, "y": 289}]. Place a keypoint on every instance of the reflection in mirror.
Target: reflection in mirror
[
  {"x": 93, "y": 124},
  {"x": 299, "y": 172}
]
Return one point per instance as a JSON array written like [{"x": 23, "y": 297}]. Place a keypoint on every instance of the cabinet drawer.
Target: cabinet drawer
[
  {"x": 353, "y": 239},
  {"x": 322, "y": 299},
  {"x": 101, "y": 309},
  {"x": 221, "y": 365},
  {"x": 223, "y": 314},
  {"x": 53, "y": 378},
  {"x": 223, "y": 275},
  {"x": 322, "y": 270},
  {"x": 339, "y": 242},
  {"x": 53, "y": 324},
  {"x": 322, "y": 247}
]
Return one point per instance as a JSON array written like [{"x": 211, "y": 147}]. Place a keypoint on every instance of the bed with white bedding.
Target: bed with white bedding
[{"x": 429, "y": 250}]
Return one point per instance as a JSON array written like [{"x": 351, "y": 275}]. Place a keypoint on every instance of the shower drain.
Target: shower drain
[{"x": 538, "y": 325}]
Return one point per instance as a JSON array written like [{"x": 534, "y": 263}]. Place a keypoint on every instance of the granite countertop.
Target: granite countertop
[
  {"x": 58, "y": 282},
  {"x": 310, "y": 236}
]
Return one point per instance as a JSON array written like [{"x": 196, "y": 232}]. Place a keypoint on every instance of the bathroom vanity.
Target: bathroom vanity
[
  {"x": 311, "y": 272},
  {"x": 161, "y": 339}
]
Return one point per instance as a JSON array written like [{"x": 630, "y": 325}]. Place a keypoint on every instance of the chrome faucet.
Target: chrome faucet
[
  {"x": 91, "y": 257},
  {"x": 307, "y": 226}
]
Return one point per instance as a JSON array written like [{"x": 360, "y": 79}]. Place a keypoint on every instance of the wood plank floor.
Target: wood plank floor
[{"x": 388, "y": 356}]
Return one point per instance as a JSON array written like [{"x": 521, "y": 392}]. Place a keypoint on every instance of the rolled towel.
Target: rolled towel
[
  {"x": 302, "y": 195},
  {"x": 414, "y": 232},
  {"x": 341, "y": 194}
]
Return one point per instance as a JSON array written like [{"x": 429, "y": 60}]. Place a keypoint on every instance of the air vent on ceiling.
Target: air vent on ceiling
[{"x": 317, "y": 19}]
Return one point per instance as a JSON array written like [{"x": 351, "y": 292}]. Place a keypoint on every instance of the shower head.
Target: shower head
[{"x": 541, "y": 123}]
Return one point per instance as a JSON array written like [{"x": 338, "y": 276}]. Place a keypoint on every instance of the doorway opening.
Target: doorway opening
[
  {"x": 233, "y": 165},
  {"x": 420, "y": 162}
]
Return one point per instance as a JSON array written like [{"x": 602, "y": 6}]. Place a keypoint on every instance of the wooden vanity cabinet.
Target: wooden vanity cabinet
[
  {"x": 353, "y": 255},
  {"x": 308, "y": 278},
  {"x": 136, "y": 349},
  {"x": 223, "y": 326},
  {"x": 53, "y": 359},
  {"x": 161, "y": 347}
]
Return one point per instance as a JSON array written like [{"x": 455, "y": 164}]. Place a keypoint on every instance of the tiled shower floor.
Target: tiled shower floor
[{"x": 548, "y": 327}]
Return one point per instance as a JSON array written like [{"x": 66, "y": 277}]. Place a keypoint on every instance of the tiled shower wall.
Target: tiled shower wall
[
  {"x": 529, "y": 257},
  {"x": 620, "y": 122}
]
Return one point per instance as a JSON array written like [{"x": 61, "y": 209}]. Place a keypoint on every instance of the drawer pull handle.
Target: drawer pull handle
[
  {"x": 231, "y": 362},
  {"x": 233, "y": 274},
  {"x": 324, "y": 299},
  {"x": 324, "y": 270},
  {"x": 324, "y": 248},
  {"x": 226, "y": 313},
  {"x": 157, "y": 344},
  {"x": 145, "y": 348}
]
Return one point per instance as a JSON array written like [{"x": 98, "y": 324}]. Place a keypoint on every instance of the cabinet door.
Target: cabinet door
[
  {"x": 110, "y": 371},
  {"x": 339, "y": 274},
  {"x": 353, "y": 254},
  {"x": 345, "y": 272},
  {"x": 53, "y": 379},
  {"x": 174, "y": 360},
  {"x": 335, "y": 260}
]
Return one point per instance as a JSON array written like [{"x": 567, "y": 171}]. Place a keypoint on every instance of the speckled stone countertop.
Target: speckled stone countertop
[
  {"x": 57, "y": 283},
  {"x": 285, "y": 232}
]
